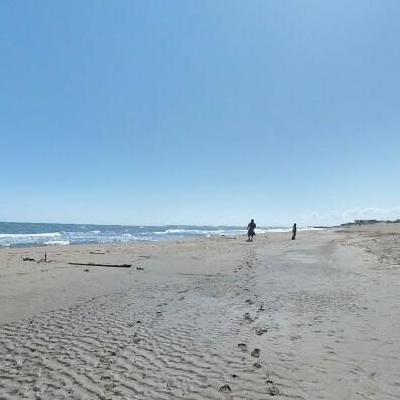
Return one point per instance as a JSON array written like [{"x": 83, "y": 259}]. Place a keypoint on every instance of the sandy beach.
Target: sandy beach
[{"x": 211, "y": 318}]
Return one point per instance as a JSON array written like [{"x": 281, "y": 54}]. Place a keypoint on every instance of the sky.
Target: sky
[{"x": 199, "y": 111}]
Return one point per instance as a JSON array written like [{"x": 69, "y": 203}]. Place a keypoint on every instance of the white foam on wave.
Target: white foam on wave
[
  {"x": 57, "y": 242},
  {"x": 169, "y": 231},
  {"x": 197, "y": 232},
  {"x": 177, "y": 231},
  {"x": 216, "y": 232},
  {"x": 29, "y": 235}
]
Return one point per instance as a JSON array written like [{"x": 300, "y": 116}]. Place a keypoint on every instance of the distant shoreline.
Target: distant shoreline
[{"x": 359, "y": 222}]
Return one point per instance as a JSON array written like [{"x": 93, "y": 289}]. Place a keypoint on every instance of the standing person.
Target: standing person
[
  {"x": 250, "y": 230},
  {"x": 294, "y": 231}
]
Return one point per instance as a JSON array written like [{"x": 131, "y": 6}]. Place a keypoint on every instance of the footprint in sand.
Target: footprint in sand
[
  {"x": 272, "y": 389},
  {"x": 255, "y": 353},
  {"x": 225, "y": 388},
  {"x": 242, "y": 346},
  {"x": 248, "y": 318},
  {"x": 260, "y": 332}
]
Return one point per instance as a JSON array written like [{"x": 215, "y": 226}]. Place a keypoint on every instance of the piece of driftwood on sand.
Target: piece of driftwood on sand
[{"x": 101, "y": 265}]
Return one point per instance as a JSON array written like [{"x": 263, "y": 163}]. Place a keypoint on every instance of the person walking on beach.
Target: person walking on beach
[
  {"x": 294, "y": 231},
  {"x": 250, "y": 230}
]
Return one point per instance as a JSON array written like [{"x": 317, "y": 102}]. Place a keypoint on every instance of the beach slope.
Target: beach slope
[{"x": 213, "y": 318}]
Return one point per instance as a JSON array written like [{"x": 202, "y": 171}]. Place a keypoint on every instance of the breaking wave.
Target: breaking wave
[{"x": 14, "y": 234}]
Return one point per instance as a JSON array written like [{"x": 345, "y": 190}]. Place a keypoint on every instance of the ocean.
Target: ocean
[{"x": 17, "y": 234}]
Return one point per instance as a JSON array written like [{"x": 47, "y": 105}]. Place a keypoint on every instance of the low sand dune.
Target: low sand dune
[{"x": 218, "y": 318}]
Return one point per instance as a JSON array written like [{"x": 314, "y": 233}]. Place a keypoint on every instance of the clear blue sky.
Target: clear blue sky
[{"x": 209, "y": 112}]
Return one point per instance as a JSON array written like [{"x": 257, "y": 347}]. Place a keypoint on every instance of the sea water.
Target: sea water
[{"x": 17, "y": 234}]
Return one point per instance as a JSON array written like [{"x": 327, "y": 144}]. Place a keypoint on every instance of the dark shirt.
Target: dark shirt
[{"x": 251, "y": 226}]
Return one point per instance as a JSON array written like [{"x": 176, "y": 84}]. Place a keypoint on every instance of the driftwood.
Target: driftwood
[
  {"x": 101, "y": 265},
  {"x": 28, "y": 259}
]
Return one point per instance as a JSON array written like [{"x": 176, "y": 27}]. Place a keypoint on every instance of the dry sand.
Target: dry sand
[{"x": 217, "y": 318}]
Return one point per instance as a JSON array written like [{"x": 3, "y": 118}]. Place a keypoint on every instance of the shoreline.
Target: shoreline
[{"x": 31, "y": 235}]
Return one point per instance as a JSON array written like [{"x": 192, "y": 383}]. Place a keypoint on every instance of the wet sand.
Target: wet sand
[{"x": 217, "y": 318}]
